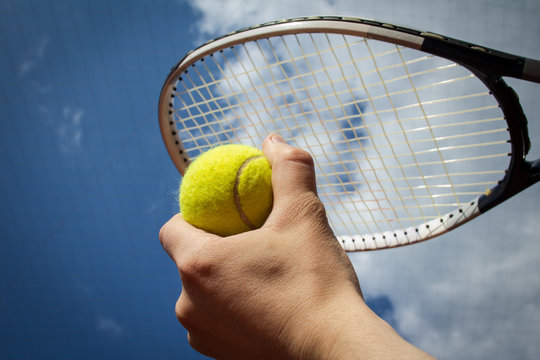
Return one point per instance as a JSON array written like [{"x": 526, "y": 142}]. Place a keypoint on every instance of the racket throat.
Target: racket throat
[{"x": 514, "y": 182}]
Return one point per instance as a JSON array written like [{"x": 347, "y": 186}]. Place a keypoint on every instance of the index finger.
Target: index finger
[{"x": 179, "y": 237}]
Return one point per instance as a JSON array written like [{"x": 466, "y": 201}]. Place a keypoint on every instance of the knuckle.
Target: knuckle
[
  {"x": 311, "y": 206},
  {"x": 189, "y": 270},
  {"x": 193, "y": 342},
  {"x": 199, "y": 344},
  {"x": 163, "y": 236},
  {"x": 192, "y": 322},
  {"x": 186, "y": 312},
  {"x": 299, "y": 156},
  {"x": 166, "y": 233},
  {"x": 302, "y": 208},
  {"x": 182, "y": 312},
  {"x": 196, "y": 268},
  {"x": 167, "y": 241}
]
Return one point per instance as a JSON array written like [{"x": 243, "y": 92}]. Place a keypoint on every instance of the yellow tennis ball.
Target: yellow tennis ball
[{"x": 227, "y": 190}]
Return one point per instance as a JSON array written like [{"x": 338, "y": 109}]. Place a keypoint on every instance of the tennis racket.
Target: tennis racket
[{"x": 413, "y": 133}]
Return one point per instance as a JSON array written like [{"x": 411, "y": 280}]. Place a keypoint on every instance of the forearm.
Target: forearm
[
  {"x": 350, "y": 330},
  {"x": 374, "y": 339}
]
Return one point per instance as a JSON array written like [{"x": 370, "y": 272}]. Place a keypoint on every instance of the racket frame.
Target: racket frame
[{"x": 487, "y": 64}]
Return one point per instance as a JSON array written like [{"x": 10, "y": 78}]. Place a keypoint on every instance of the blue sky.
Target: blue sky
[{"x": 86, "y": 184}]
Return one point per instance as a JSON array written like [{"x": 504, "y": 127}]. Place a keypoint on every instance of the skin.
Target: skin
[{"x": 284, "y": 291}]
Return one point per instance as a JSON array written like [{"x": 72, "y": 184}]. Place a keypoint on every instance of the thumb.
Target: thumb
[
  {"x": 293, "y": 175},
  {"x": 293, "y": 170}
]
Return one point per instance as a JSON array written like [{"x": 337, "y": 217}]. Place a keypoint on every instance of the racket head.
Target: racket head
[{"x": 407, "y": 144}]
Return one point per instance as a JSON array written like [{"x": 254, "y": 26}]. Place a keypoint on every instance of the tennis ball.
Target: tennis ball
[{"x": 227, "y": 190}]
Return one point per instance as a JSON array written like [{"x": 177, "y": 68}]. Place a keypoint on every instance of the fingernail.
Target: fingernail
[{"x": 276, "y": 138}]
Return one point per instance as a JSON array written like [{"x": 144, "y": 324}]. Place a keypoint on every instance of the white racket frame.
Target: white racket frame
[{"x": 528, "y": 69}]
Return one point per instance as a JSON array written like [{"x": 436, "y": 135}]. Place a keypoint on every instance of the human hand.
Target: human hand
[{"x": 284, "y": 291}]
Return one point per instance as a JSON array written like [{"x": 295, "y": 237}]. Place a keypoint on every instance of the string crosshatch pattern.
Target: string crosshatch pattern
[{"x": 406, "y": 143}]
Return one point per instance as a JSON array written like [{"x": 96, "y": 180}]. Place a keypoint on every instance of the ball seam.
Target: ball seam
[{"x": 236, "y": 191}]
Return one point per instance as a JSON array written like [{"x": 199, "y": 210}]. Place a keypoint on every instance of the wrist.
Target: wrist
[
  {"x": 328, "y": 329},
  {"x": 349, "y": 329}
]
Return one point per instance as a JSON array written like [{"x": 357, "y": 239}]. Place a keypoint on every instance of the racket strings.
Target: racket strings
[
  {"x": 278, "y": 63},
  {"x": 378, "y": 202},
  {"x": 436, "y": 148},
  {"x": 217, "y": 111},
  {"x": 348, "y": 124},
  {"x": 392, "y": 155},
  {"x": 212, "y": 109},
  {"x": 399, "y": 137}
]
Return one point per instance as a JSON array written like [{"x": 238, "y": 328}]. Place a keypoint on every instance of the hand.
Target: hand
[{"x": 284, "y": 291}]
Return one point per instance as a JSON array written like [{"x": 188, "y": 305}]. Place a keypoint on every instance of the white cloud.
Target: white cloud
[
  {"x": 241, "y": 13},
  {"x": 109, "y": 327},
  {"x": 26, "y": 66},
  {"x": 472, "y": 293},
  {"x": 42, "y": 88},
  {"x": 151, "y": 208},
  {"x": 34, "y": 56},
  {"x": 70, "y": 130},
  {"x": 498, "y": 24}
]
